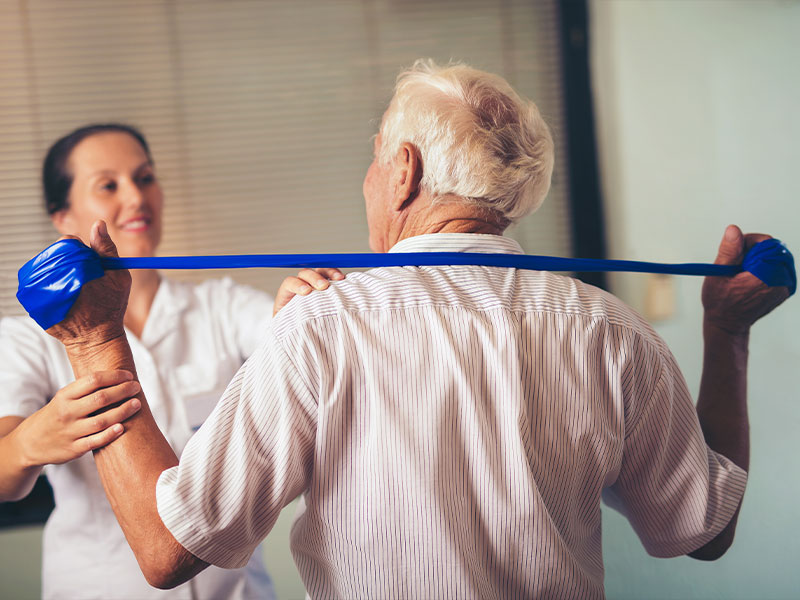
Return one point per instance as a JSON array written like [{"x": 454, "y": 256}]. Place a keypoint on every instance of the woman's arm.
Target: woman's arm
[
  {"x": 16, "y": 480},
  {"x": 84, "y": 415}
]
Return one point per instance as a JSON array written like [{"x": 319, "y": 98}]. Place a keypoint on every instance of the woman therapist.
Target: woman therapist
[{"x": 188, "y": 341}]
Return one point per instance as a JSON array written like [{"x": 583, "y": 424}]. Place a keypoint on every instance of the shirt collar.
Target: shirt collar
[{"x": 458, "y": 242}]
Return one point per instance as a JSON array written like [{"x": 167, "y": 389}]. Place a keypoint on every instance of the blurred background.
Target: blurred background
[{"x": 671, "y": 120}]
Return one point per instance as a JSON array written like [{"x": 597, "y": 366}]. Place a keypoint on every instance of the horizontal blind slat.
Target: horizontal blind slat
[{"x": 259, "y": 114}]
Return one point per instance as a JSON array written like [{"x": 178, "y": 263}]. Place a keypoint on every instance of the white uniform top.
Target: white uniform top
[
  {"x": 451, "y": 430},
  {"x": 194, "y": 340}
]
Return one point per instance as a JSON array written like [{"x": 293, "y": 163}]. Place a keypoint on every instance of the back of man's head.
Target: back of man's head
[{"x": 477, "y": 138}]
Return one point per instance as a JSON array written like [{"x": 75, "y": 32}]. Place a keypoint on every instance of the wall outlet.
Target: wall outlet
[{"x": 659, "y": 297}]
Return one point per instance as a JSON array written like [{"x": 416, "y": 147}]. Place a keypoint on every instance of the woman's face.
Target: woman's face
[{"x": 113, "y": 180}]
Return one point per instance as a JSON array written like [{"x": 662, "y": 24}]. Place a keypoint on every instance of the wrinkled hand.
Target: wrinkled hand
[
  {"x": 98, "y": 313},
  {"x": 81, "y": 417},
  {"x": 733, "y": 304},
  {"x": 306, "y": 282}
]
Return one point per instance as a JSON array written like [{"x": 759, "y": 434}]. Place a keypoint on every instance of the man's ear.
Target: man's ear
[{"x": 407, "y": 176}]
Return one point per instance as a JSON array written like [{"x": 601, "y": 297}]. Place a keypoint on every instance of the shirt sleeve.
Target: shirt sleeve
[
  {"x": 252, "y": 457},
  {"x": 25, "y": 385},
  {"x": 676, "y": 492}
]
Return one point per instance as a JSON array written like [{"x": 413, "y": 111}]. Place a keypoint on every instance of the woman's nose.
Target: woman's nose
[{"x": 132, "y": 194}]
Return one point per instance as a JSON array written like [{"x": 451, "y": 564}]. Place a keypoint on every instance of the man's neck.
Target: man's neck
[
  {"x": 449, "y": 217},
  {"x": 463, "y": 225}
]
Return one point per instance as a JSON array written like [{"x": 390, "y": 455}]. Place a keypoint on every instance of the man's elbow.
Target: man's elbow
[
  {"x": 163, "y": 581},
  {"x": 714, "y": 549},
  {"x": 170, "y": 568},
  {"x": 163, "y": 576}
]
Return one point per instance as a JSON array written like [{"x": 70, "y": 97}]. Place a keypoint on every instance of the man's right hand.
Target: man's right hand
[
  {"x": 733, "y": 304},
  {"x": 98, "y": 313}
]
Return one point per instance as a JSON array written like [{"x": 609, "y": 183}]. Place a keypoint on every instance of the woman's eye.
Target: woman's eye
[
  {"x": 147, "y": 179},
  {"x": 108, "y": 186}
]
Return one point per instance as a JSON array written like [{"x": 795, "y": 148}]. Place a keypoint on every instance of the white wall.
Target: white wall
[{"x": 697, "y": 110}]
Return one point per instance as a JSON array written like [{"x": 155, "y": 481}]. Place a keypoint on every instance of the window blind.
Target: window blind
[{"x": 260, "y": 115}]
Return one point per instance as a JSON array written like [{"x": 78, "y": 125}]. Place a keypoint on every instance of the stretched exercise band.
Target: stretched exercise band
[{"x": 50, "y": 282}]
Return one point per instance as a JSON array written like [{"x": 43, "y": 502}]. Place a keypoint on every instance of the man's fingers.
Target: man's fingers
[
  {"x": 100, "y": 241},
  {"x": 91, "y": 383},
  {"x": 751, "y": 239},
  {"x": 731, "y": 248}
]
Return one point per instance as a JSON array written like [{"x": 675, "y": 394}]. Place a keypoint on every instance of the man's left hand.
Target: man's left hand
[{"x": 733, "y": 304}]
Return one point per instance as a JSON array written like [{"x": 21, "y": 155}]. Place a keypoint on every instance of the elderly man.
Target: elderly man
[{"x": 450, "y": 429}]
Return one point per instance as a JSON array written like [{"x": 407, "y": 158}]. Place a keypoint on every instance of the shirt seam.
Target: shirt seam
[{"x": 336, "y": 313}]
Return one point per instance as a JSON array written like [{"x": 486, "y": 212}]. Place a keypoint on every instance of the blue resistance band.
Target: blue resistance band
[{"x": 50, "y": 282}]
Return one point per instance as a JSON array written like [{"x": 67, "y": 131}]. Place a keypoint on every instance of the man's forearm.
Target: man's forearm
[
  {"x": 722, "y": 412},
  {"x": 722, "y": 402},
  {"x": 129, "y": 468}
]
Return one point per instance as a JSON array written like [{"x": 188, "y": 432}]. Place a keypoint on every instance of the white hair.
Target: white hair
[{"x": 477, "y": 138}]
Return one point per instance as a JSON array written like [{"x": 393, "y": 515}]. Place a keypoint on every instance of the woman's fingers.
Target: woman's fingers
[
  {"x": 313, "y": 278},
  {"x": 106, "y": 420},
  {"x": 98, "y": 402},
  {"x": 98, "y": 440},
  {"x": 320, "y": 278},
  {"x": 331, "y": 273},
  {"x": 296, "y": 286},
  {"x": 291, "y": 287},
  {"x": 89, "y": 384},
  {"x": 303, "y": 284}
]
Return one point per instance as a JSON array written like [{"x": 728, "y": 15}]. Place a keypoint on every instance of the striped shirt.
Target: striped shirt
[{"x": 451, "y": 431}]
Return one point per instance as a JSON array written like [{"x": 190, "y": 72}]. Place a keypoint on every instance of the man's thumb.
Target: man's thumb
[
  {"x": 100, "y": 241},
  {"x": 731, "y": 248}
]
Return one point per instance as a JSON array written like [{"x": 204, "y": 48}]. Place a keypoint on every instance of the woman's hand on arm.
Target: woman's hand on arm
[
  {"x": 83, "y": 416},
  {"x": 303, "y": 284}
]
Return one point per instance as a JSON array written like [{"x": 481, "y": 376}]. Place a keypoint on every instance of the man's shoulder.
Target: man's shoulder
[
  {"x": 381, "y": 289},
  {"x": 462, "y": 288}
]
